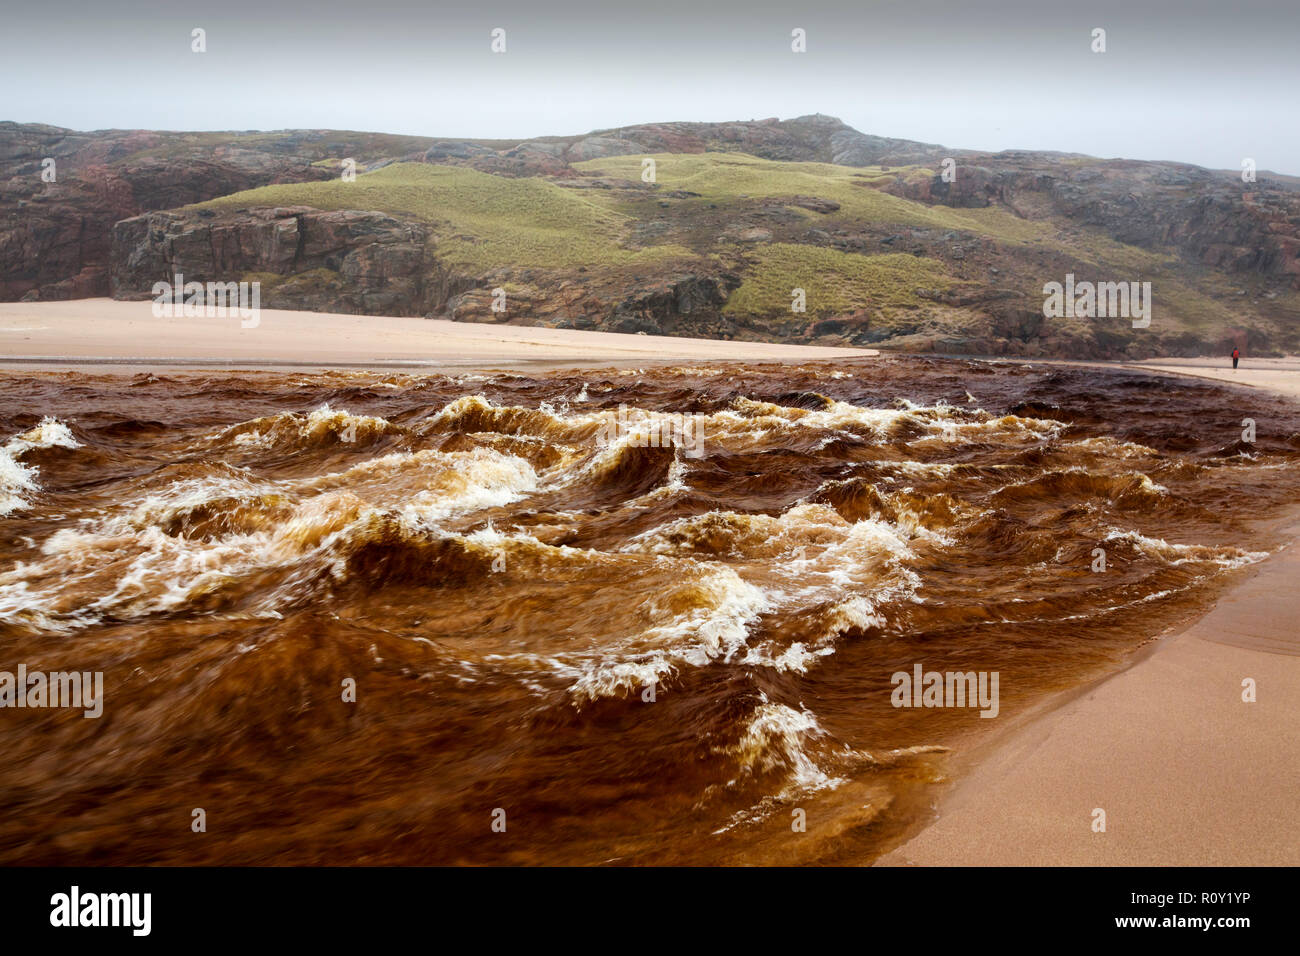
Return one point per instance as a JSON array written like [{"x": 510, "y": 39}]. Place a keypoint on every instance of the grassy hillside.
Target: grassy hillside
[
  {"x": 481, "y": 221},
  {"x": 485, "y": 222},
  {"x": 834, "y": 282},
  {"x": 915, "y": 274},
  {"x": 729, "y": 177},
  {"x": 740, "y": 213}
]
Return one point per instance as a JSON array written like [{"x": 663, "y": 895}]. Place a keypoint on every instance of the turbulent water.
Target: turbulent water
[{"x": 640, "y": 616}]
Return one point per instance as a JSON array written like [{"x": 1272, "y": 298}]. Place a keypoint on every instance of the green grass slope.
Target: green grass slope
[{"x": 915, "y": 273}]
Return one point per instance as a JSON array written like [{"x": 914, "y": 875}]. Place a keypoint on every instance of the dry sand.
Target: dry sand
[
  {"x": 1186, "y": 771},
  {"x": 104, "y": 331}
]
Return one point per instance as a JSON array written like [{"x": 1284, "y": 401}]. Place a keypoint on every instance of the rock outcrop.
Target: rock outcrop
[
  {"x": 372, "y": 263},
  {"x": 347, "y": 261},
  {"x": 1208, "y": 217},
  {"x": 55, "y": 237}
]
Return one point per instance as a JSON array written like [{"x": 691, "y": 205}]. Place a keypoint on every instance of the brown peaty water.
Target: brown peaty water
[{"x": 653, "y": 617}]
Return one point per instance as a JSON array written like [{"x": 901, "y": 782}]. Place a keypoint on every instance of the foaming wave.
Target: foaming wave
[
  {"x": 706, "y": 619},
  {"x": 224, "y": 537},
  {"x": 1174, "y": 554},
  {"x": 1134, "y": 490},
  {"x": 18, "y": 480},
  {"x": 475, "y": 413},
  {"x": 775, "y": 740},
  {"x": 430, "y": 486},
  {"x": 826, "y": 575},
  {"x": 323, "y": 425}
]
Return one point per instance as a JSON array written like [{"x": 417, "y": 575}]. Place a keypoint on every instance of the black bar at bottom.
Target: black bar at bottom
[{"x": 598, "y": 908}]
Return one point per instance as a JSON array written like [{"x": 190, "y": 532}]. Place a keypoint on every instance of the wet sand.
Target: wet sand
[
  {"x": 1278, "y": 375},
  {"x": 1281, "y": 375},
  {"x": 1185, "y": 770}
]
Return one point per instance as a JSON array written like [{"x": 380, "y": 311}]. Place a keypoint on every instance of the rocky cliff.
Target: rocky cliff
[
  {"x": 349, "y": 261},
  {"x": 55, "y": 237},
  {"x": 1208, "y": 217}
]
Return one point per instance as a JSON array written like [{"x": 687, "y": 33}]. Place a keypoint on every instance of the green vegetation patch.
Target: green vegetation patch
[
  {"x": 268, "y": 280},
  {"x": 725, "y": 177},
  {"x": 480, "y": 221},
  {"x": 834, "y": 282}
]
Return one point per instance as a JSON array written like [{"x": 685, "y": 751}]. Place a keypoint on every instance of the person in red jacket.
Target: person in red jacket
[{"x": 1236, "y": 354}]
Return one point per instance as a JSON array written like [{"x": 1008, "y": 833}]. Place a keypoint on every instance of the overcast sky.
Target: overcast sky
[{"x": 1207, "y": 83}]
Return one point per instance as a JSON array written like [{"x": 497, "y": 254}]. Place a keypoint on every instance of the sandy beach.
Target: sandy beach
[
  {"x": 1186, "y": 772},
  {"x": 106, "y": 331},
  {"x": 1279, "y": 375}
]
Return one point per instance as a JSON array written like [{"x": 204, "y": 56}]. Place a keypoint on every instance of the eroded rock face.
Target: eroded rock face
[
  {"x": 372, "y": 263},
  {"x": 1209, "y": 218},
  {"x": 55, "y": 237},
  {"x": 346, "y": 261},
  {"x": 685, "y": 304}
]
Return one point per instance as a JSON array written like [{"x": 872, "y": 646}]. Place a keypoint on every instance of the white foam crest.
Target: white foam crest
[
  {"x": 186, "y": 495},
  {"x": 431, "y": 485},
  {"x": 261, "y": 432},
  {"x": 807, "y": 558},
  {"x": 721, "y": 607},
  {"x": 1113, "y": 447},
  {"x": 857, "y": 612},
  {"x": 1178, "y": 554},
  {"x": 487, "y": 482},
  {"x": 49, "y": 433},
  {"x": 466, "y": 404},
  {"x": 675, "y": 483},
  {"x": 776, "y": 739},
  {"x": 695, "y": 371},
  {"x": 17, "y": 479},
  {"x": 942, "y": 422}
]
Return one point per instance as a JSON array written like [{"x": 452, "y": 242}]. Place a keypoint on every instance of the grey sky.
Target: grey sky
[{"x": 1202, "y": 82}]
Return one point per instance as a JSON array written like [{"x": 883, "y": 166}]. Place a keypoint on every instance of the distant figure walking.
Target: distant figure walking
[{"x": 1236, "y": 354}]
